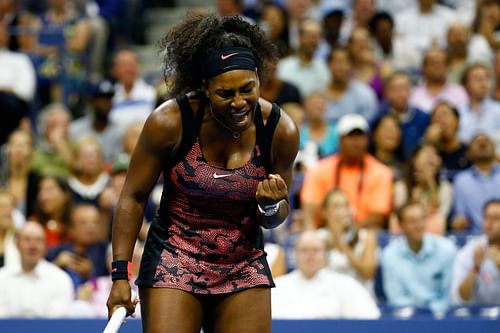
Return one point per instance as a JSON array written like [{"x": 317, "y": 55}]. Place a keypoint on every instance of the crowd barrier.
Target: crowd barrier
[{"x": 279, "y": 326}]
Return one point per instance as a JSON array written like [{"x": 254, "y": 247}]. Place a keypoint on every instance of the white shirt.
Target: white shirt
[
  {"x": 133, "y": 107},
  {"x": 422, "y": 30},
  {"x": 17, "y": 73},
  {"x": 46, "y": 292},
  {"x": 327, "y": 295},
  {"x": 310, "y": 77},
  {"x": 487, "y": 286}
]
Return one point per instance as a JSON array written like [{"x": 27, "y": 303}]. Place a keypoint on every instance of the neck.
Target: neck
[
  {"x": 484, "y": 166},
  {"x": 435, "y": 85},
  {"x": 100, "y": 123},
  {"x": 305, "y": 57},
  {"x": 27, "y": 268},
  {"x": 236, "y": 134},
  {"x": 384, "y": 155},
  {"x": 19, "y": 171},
  {"x": 425, "y": 9},
  {"x": 88, "y": 178},
  {"x": 449, "y": 143},
  {"x": 415, "y": 245},
  {"x": 399, "y": 112},
  {"x": 339, "y": 85},
  {"x": 475, "y": 104}
]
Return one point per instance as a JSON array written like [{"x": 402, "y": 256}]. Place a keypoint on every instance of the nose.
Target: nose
[{"x": 238, "y": 102}]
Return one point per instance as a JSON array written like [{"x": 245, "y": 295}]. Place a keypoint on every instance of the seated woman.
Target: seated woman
[
  {"x": 424, "y": 183},
  {"x": 385, "y": 144},
  {"x": 53, "y": 207},
  {"x": 318, "y": 137},
  {"x": 353, "y": 251}
]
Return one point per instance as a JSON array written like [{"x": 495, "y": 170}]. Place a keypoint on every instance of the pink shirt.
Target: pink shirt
[{"x": 452, "y": 93}]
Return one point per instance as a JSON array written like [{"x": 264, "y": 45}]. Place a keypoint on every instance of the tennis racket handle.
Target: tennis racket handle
[{"x": 116, "y": 320}]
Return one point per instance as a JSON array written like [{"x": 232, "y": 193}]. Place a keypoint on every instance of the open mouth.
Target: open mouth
[{"x": 240, "y": 118}]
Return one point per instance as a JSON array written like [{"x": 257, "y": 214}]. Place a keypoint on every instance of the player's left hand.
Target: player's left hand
[{"x": 271, "y": 190}]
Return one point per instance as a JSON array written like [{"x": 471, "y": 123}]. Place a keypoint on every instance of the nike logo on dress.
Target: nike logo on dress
[
  {"x": 224, "y": 57},
  {"x": 221, "y": 176}
]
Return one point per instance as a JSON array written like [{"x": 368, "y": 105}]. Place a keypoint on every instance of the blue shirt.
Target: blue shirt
[
  {"x": 420, "y": 280},
  {"x": 358, "y": 98},
  {"x": 327, "y": 146},
  {"x": 413, "y": 127},
  {"x": 472, "y": 189},
  {"x": 487, "y": 121}
]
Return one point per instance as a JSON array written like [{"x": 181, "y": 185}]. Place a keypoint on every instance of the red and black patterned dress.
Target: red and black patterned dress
[{"x": 205, "y": 239}]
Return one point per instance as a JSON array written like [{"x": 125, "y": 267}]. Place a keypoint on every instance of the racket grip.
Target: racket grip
[{"x": 116, "y": 320}]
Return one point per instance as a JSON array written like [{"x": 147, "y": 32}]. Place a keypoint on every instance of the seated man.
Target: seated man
[
  {"x": 313, "y": 291},
  {"x": 476, "y": 273},
  {"x": 84, "y": 257},
  {"x": 366, "y": 181},
  {"x": 476, "y": 185},
  {"x": 416, "y": 267},
  {"x": 35, "y": 288}
]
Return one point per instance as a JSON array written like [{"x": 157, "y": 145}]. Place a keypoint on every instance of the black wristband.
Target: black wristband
[{"x": 121, "y": 270}]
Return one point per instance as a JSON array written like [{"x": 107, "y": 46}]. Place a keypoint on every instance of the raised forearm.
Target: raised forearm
[{"x": 466, "y": 289}]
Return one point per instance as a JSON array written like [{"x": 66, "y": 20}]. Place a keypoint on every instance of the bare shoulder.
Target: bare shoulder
[
  {"x": 286, "y": 136},
  {"x": 163, "y": 128}
]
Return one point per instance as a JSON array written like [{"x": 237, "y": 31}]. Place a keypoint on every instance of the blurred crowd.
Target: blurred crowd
[{"x": 396, "y": 191}]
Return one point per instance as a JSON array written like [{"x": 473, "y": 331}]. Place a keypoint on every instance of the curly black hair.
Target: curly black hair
[{"x": 185, "y": 45}]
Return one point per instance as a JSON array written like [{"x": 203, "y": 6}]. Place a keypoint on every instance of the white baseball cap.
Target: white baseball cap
[{"x": 350, "y": 122}]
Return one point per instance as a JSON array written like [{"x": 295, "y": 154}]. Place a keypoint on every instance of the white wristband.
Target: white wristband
[{"x": 270, "y": 210}]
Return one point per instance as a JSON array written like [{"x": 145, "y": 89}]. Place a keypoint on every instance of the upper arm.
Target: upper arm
[
  {"x": 157, "y": 143},
  {"x": 284, "y": 148}
]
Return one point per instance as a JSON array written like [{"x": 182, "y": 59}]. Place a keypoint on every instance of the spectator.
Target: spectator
[
  {"x": 314, "y": 292},
  {"x": 344, "y": 94},
  {"x": 424, "y": 184},
  {"x": 434, "y": 86},
  {"x": 482, "y": 114},
  {"x": 476, "y": 185},
  {"x": 131, "y": 137},
  {"x": 386, "y": 144},
  {"x": 333, "y": 14},
  {"x": 464, "y": 48},
  {"x": 390, "y": 49},
  {"x": 9, "y": 254},
  {"x": 65, "y": 36},
  {"x": 318, "y": 137},
  {"x": 17, "y": 87},
  {"x": 278, "y": 91},
  {"x": 487, "y": 20},
  {"x": 416, "y": 267},
  {"x": 88, "y": 179},
  {"x": 301, "y": 69},
  {"x": 477, "y": 267},
  {"x": 413, "y": 121},
  {"x": 16, "y": 174},
  {"x": 353, "y": 251},
  {"x": 274, "y": 21},
  {"x": 364, "y": 64},
  {"x": 495, "y": 93},
  {"x": 35, "y": 288},
  {"x": 366, "y": 182},
  {"x": 93, "y": 294},
  {"x": 359, "y": 17},
  {"x": 83, "y": 257},
  {"x": 443, "y": 133},
  {"x": 98, "y": 123},
  {"x": 424, "y": 25},
  {"x": 298, "y": 12},
  {"x": 53, "y": 207},
  {"x": 134, "y": 99},
  {"x": 52, "y": 155}
]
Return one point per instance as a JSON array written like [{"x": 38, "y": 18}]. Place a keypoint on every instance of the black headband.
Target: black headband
[{"x": 227, "y": 59}]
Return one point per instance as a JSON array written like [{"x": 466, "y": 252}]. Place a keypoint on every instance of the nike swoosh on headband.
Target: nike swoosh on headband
[
  {"x": 220, "y": 176},
  {"x": 224, "y": 57}
]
